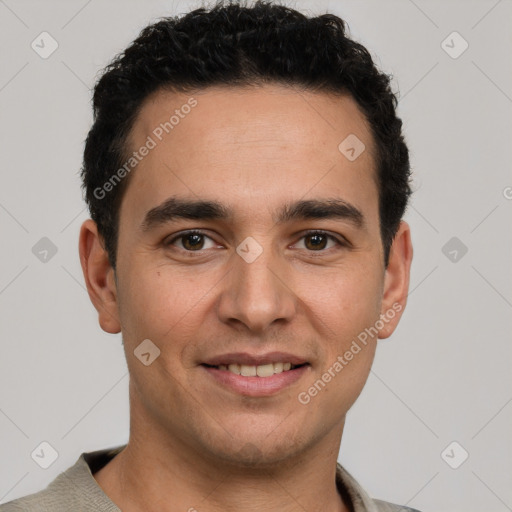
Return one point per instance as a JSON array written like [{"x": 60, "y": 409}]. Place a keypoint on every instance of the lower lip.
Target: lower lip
[{"x": 256, "y": 386}]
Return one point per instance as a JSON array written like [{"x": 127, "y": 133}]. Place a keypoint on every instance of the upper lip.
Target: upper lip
[{"x": 254, "y": 359}]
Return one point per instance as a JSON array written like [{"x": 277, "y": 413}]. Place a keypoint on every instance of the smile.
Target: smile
[
  {"x": 256, "y": 380},
  {"x": 262, "y": 370}
]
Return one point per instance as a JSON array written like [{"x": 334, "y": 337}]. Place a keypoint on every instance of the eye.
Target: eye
[
  {"x": 191, "y": 241},
  {"x": 317, "y": 241},
  {"x": 195, "y": 241}
]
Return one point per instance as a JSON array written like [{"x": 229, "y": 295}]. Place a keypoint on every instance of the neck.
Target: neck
[{"x": 155, "y": 473}]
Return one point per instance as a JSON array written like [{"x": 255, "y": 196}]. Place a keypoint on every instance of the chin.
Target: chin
[{"x": 259, "y": 450}]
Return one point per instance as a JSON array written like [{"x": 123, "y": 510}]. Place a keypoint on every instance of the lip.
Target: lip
[
  {"x": 256, "y": 386},
  {"x": 255, "y": 359}
]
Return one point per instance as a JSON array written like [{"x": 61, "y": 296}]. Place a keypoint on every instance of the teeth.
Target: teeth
[
  {"x": 278, "y": 367},
  {"x": 263, "y": 370},
  {"x": 248, "y": 371},
  {"x": 234, "y": 368}
]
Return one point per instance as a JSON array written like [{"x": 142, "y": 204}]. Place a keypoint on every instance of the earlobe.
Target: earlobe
[
  {"x": 99, "y": 277},
  {"x": 396, "y": 281}
]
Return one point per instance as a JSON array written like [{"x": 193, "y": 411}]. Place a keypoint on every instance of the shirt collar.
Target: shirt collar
[{"x": 352, "y": 492}]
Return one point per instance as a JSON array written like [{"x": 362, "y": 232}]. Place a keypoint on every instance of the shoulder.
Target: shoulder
[
  {"x": 73, "y": 489},
  {"x": 42, "y": 501},
  {"x": 361, "y": 501}
]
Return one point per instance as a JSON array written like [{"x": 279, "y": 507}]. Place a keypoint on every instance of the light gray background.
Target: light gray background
[{"x": 444, "y": 376}]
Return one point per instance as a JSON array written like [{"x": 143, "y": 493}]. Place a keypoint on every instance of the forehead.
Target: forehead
[{"x": 250, "y": 145}]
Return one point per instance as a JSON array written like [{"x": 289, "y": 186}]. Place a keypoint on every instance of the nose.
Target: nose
[{"x": 257, "y": 294}]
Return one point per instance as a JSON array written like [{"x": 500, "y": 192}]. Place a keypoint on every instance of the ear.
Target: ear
[
  {"x": 99, "y": 277},
  {"x": 396, "y": 281}
]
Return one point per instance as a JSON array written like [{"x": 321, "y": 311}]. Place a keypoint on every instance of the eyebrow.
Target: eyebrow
[{"x": 181, "y": 208}]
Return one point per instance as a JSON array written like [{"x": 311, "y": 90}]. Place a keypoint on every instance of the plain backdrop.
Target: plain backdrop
[{"x": 441, "y": 387}]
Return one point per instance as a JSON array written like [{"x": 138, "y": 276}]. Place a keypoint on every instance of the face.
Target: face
[{"x": 249, "y": 253}]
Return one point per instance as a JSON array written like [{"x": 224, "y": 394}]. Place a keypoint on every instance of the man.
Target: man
[{"x": 246, "y": 177}]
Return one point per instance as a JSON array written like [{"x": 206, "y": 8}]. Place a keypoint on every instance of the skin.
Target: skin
[{"x": 193, "y": 443}]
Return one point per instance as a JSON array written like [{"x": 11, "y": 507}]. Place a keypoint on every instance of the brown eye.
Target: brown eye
[
  {"x": 317, "y": 241},
  {"x": 191, "y": 241}
]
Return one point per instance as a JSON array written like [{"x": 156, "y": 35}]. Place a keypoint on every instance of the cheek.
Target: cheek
[
  {"x": 344, "y": 302},
  {"x": 159, "y": 306},
  {"x": 345, "y": 318},
  {"x": 344, "y": 310}
]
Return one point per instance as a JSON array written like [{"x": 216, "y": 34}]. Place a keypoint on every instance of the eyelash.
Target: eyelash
[{"x": 340, "y": 243}]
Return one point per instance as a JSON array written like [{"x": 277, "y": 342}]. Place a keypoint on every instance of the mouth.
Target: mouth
[
  {"x": 263, "y": 370},
  {"x": 256, "y": 376}
]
